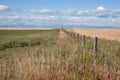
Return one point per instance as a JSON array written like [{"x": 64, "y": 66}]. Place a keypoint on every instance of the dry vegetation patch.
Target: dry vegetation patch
[{"x": 109, "y": 34}]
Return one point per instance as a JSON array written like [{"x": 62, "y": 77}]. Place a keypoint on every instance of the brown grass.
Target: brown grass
[
  {"x": 62, "y": 58},
  {"x": 109, "y": 34}
]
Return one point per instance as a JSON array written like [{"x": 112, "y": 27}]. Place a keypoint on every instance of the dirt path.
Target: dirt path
[{"x": 62, "y": 35}]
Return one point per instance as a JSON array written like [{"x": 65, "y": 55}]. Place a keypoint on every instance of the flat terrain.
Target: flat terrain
[
  {"x": 21, "y": 38},
  {"x": 53, "y": 55},
  {"x": 109, "y": 34},
  {"x": 25, "y": 28}
]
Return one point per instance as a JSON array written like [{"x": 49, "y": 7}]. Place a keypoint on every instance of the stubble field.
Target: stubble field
[{"x": 109, "y": 34}]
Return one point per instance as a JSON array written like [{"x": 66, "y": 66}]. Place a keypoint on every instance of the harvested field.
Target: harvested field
[{"x": 109, "y": 34}]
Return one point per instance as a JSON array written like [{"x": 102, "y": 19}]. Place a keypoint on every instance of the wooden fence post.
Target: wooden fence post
[
  {"x": 74, "y": 36},
  {"x": 95, "y": 45},
  {"x": 83, "y": 41},
  {"x": 78, "y": 37},
  {"x": 71, "y": 35}
]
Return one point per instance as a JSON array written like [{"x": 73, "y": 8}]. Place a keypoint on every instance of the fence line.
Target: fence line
[{"x": 76, "y": 37}]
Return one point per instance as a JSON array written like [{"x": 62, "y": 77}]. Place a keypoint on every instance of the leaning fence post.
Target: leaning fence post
[
  {"x": 83, "y": 41},
  {"x": 95, "y": 45}
]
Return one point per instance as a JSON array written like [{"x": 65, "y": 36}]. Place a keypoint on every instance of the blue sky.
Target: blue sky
[{"x": 59, "y": 13}]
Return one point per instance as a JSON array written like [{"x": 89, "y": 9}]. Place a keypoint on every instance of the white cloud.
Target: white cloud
[
  {"x": 57, "y": 20},
  {"x": 94, "y": 13},
  {"x": 42, "y": 17},
  {"x": 115, "y": 20},
  {"x": 75, "y": 18},
  {"x": 13, "y": 17},
  {"x": 41, "y": 11},
  {"x": 100, "y": 12},
  {"x": 3, "y": 8},
  {"x": 46, "y": 11},
  {"x": 52, "y": 18},
  {"x": 100, "y": 8}
]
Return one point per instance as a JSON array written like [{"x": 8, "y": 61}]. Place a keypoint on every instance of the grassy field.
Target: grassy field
[
  {"x": 22, "y": 38},
  {"x": 52, "y": 55}
]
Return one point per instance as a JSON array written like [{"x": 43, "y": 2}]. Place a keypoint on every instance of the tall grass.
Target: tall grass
[{"x": 62, "y": 59}]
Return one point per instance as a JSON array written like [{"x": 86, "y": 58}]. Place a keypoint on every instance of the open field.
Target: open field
[
  {"x": 52, "y": 55},
  {"x": 22, "y": 38},
  {"x": 109, "y": 34},
  {"x": 26, "y": 28}
]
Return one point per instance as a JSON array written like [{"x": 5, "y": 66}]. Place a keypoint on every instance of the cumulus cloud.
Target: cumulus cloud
[
  {"x": 100, "y": 8},
  {"x": 4, "y": 8}
]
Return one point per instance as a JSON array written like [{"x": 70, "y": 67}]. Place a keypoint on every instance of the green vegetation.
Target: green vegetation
[
  {"x": 22, "y": 38},
  {"x": 58, "y": 58}
]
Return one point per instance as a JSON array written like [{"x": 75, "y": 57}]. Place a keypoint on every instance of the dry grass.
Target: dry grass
[
  {"x": 62, "y": 58},
  {"x": 109, "y": 34}
]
